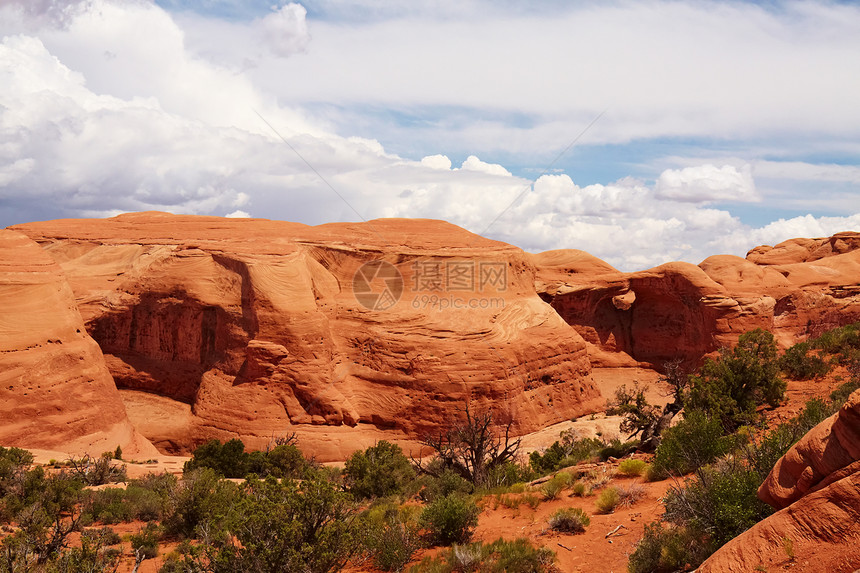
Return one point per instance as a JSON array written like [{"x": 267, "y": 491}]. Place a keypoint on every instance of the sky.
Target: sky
[{"x": 642, "y": 132}]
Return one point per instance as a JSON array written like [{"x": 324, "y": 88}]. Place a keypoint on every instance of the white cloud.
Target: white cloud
[
  {"x": 437, "y": 162},
  {"x": 285, "y": 30},
  {"x": 111, "y": 109},
  {"x": 707, "y": 184},
  {"x": 238, "y": 215},
  {"x": 472, "y": 163}
]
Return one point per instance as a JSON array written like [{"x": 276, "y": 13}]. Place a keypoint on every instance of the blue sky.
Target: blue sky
[{"x": 725, "y": 124}]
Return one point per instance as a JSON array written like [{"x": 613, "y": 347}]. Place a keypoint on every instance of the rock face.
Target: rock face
[
  {"x": 264, "y": 327},
  {"x": 55, "y": 389},
  {"x": 816, "y": 486},
  {"x": 799, "y": 288}
]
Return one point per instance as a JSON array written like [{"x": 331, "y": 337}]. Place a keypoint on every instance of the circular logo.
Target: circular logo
[{"x": 377, "y": 285}]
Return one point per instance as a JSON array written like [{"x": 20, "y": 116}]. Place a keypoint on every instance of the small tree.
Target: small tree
[
  {"x": 741, "y": 379},
  {"x": 473, "y": 446},
  {"x": 379, "y": 471}
]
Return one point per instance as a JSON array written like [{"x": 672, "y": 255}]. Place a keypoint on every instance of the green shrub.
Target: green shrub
[
  {"x": 392, "y": 535},
  {"x": 450, "y": 519},
  {"x": 721, "y": 500},
  {"x": 230, "y": 460},
  {"x": 569, "y": 520},
  {"x": 608, "y": 500},
  {"x": 379, "y": 471},
  {"x": 666, "y": 550},
  {"x": 445, "y": 484},
  {"x": 108, "y": 506},
  {"x": 580, "y": 489},
  {"x": 731, "y": 387},
  {"x": 557, "y": 484},
  {"x": 501, "y": 556},
  {"x": 566, "y": 452},
  {"x": 530, "y": 500},
  {"x": 695, "y": 441},
  {"x": 839, "y": 396},
  {"x": 844, "y": 342},
  {"x": 632, "y": 467},
  {"x": 798, "y": 363},
  {"x": 202, "y": 498},
  {"x": 291, "y": 525}
]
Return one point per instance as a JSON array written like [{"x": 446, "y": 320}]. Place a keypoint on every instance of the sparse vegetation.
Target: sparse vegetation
[
  {"x": 730, "y": 388},
  {"x": 518, "y": 556},
  {"x": 450, "y": 519},
  {"x": 569, "y": 520},
  {"x": 379, "y": 471},
  {"x": 608, "y": 500},
  {"x": 632, "y": 467}
]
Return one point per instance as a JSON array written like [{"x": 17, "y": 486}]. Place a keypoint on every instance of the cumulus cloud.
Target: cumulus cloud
[
  {"x": 472, "y": 163},
  {"x": 437, "y": 162},
  {"x": 111, "y": 110},
  {"x": 285, "y": 30},
  {"x": 707, "y": 184}
]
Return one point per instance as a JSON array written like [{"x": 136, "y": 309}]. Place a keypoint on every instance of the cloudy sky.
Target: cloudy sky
[{"x": 641, "y": 132}]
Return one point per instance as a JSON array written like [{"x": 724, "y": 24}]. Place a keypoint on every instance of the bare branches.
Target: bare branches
[{"x": 472, "y": 447}]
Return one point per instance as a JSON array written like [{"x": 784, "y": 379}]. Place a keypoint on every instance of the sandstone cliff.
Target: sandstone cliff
[
  {"x": 796, "y": 289},
  {"x": 55, "y": 390},
  {"x": 263, "y": 327},
  {"x": 816, "y": 486}
]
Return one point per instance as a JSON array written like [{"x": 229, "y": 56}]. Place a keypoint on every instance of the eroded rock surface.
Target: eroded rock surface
[
  {"x": 55, "y": 389},
  {"x": 816, "y": 487},
  {"x": 255, "y": 324},
  {"x": 796, "y": 289}
]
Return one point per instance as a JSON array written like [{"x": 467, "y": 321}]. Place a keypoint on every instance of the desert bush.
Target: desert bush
[
  {"x": 567, "y": 451},
  {"x": 530, "y": 500},
  {"x": 839, "y": 396},
  {"x": 844, "y": 342},
  {"x": 508, "y": 474},
  {"x": 450, "y": 519},
  {"x": 288, "y": 525},
  {"x": 392, "y": 535},
  {"x": 552, "y": 489},
  {"x": 798, "y": 363},
  {"x": 732, "y": 386},
  {"x": 97, "y": 471},
  {"x": 630, "y": 494},
  {"x": 501, "y": 556},
  {"x": 695, "y": 441},
  {"x": 230, "y": 460},
  {"x": 666, "y": 550},
  {"x": 579, "y": 488},
  {"x": 379, "y": 471},
  {"x": 632, "y": 467},
  {"x": 557, "y": 484},
  {"x": 608, "y": 500},
  {"x": 447, "y": 482},
  {"x": 569, "y": 520},
  {"x": 200, "y": 498},
  {"x": 721, "y": 501}
]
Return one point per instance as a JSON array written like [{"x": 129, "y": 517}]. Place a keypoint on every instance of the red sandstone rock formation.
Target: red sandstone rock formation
[
  {"x": 256, "y": 325},
  {"x": 55, "y": 390},
  {"x": 799, "y": 288},
  {"x": 816, "y": 486}
]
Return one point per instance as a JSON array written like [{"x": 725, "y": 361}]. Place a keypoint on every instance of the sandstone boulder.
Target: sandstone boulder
[
  {"x": 816, "y": 487},
  {"x": 55, "y": 389},
  {"x": 797, "y": 289},
  {"x": 344, "y": 333}
]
